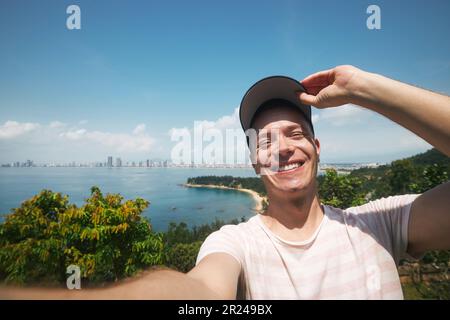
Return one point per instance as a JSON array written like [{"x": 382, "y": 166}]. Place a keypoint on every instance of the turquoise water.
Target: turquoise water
[{"x": 161, "y": 186}]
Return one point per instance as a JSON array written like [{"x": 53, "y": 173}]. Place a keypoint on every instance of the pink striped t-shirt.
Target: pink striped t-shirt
[{"x": 353, "y": 254}]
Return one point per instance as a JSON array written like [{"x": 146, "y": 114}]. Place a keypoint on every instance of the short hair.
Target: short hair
[{"x": 276, "y": 103}]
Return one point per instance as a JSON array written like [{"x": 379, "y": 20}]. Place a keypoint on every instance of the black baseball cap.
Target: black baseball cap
[{"x": 274, "y": 87}]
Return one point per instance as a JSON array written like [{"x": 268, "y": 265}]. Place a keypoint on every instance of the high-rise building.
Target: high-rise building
[
  {"x": 118, "y": 162},
  {"x": 110, "y": 161},
  {"x": 148, "y": 163}
]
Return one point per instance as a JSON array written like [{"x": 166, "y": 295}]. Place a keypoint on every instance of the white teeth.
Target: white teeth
[{"x": 290, "y": 166}]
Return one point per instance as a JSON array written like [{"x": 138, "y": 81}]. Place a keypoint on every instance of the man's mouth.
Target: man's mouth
[{"x": 290, "y": 167}]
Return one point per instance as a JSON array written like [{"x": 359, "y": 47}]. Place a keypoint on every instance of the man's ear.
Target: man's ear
[
  {"x": 317, "y": 147},
  {"x": 257, "y": 168}
]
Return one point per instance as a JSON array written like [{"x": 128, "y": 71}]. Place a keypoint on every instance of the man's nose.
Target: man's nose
[{"x": 284, "y": 147}]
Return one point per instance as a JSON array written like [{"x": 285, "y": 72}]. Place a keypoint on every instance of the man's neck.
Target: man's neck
[{"x": 294, "y": 219}]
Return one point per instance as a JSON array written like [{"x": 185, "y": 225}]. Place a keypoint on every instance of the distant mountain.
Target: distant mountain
[
  {"x": 414, "y": 174},
  {"x": 430, "y": 157}
]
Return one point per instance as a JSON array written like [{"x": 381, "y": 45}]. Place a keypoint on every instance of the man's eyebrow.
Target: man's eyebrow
[
  {"x": 293, "y": 126},
  {"x": 266, "y": 132},
  {"x": 289, "y": 127}
]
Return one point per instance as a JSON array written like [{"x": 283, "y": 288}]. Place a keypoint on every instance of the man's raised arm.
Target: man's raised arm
[{"x": 425, "y": 113}]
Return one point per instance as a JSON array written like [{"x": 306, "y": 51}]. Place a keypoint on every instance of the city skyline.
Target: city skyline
[{"x": 165, "y": 163}]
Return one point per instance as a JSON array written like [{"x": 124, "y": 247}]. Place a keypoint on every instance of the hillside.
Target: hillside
[
  {"x": 427, "y": 158},
  {"x": 415, "y": 174}
]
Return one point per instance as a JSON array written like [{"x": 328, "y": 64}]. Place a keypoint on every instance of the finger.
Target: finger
[
  {"x": 307, "y": 99},
  {"x": 321, "y": 78},
  {"x": 314, "y": 90}
]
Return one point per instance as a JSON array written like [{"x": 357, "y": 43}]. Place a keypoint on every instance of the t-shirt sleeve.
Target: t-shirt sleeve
[
  {"x": 226, "y": 240},
  {"x": 388, "y": 219}
]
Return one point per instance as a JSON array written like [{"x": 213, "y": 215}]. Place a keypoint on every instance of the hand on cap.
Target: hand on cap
[{"x": 330, "y": 88}]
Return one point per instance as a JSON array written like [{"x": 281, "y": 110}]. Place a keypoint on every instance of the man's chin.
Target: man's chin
[{"x": 292, "y": 190}]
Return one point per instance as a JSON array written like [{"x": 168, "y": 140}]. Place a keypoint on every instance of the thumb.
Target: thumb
[{"x": 307, "y": 99}]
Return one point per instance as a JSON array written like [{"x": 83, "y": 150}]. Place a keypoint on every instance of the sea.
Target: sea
[{"x": 169, "y": 200}]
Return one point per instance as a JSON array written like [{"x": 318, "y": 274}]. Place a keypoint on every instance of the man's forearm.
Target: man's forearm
[
  {"x": 425, "y": 113},
  {"x": 164, "y": 284}
]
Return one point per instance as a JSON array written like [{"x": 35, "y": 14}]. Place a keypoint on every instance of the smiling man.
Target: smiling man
[{"x": 299, "y": 248}]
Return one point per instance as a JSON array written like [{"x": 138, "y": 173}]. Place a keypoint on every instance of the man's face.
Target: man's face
[{"x": 286, "y": 152}]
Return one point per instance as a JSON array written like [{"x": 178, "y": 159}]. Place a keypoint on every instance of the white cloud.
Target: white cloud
[
  {"x": 140, "y": 129},
  {"x": 227, "y": 122},
  {"x": 379, "y": 140},
  {"x": 223, "y": 123},
  {"x": 219, "y": 141},
  {"x": 314, "y": 118},
  {"x": 138, "y": 141},
  {"x": 341, "y": 116},
  {"x": 178, "y": 131},
  {"x": 12, "y": 129},
  {"x": 57, "y": 141},
  {"x": 347, "y": 133},
  {"x": 57, "y": 124},
  {"x": 73, "y": 134}
]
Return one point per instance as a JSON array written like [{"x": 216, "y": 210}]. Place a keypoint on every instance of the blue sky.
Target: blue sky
[{"x": 138, "y": 69}]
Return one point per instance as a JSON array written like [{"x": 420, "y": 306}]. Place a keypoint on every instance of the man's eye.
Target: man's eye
[{"x": 297, "y": 134}]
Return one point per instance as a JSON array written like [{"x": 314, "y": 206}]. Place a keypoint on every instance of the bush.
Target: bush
[
  {"x": 340, "y": 191},
  {"x": 106, "y": 237},
  {"x": 181, "y": 243},
  {"x": 182, "y": 256}
]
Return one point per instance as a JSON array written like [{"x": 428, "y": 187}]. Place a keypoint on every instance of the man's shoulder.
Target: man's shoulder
[
  {"x": 240, "y": 229},
  {"x": 383, "y": 204},
  {"x": 370, "y": 213},
  {"x": 233, "y": 239}
]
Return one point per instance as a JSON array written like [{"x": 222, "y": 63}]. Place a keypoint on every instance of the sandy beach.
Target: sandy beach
[{"x": 258, "y": 207}]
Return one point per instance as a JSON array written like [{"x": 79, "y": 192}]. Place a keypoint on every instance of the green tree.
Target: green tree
[
  {"x": 400, "y": 176},
  {"x": 430, "y": 177},
  {"x": 341, "y": 191},
  {"x": 106, "y": 237},
  {"x": 182, "y": 256},
  {"x": 181, "y": 244}
]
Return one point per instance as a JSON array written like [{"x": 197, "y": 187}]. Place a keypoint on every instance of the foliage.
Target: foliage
[
  {"x": 109, "y": 239},
  {"x": 106, "y": 237},
  {"x": 182, "y": 256},
  {"x": 252, "y": 183},
  {"x": 181, "y": 244},
  {"x": 341, "y": 191},
  {"x": 431, "y": 176},
  {"x": 415, "y": 174},
  {"x": 435, "y": 290}
]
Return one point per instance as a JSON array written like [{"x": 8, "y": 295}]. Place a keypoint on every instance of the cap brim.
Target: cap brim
[{"x": 274, "y": 87}]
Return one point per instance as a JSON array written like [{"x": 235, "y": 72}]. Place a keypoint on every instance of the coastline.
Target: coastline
[{"x": 258, "y": 199}]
